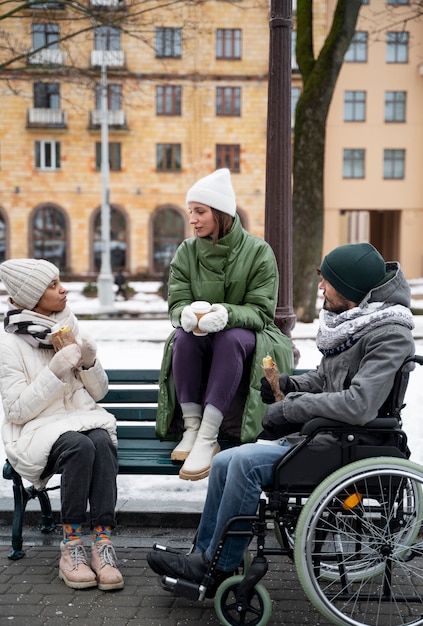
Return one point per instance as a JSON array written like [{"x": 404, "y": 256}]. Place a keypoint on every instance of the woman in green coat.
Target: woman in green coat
[{"x": 211, "y": 369}]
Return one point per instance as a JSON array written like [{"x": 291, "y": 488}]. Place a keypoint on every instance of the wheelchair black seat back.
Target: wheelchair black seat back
[{"x": 347, "y": 506}]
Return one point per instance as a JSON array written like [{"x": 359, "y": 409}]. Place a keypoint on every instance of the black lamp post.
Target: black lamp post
[{"x": 278, "y": 205}]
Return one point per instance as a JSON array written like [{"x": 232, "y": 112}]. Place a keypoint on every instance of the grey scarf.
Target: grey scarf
[{"x": 339, "y": 331}]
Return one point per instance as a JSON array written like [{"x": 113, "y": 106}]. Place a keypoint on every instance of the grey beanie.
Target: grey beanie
[
  {"x": 215, "y": 191},
  {"x": 27, "y": 279}
]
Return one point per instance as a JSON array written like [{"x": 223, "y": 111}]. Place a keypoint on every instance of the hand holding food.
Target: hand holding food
[
  {"x": 63, "y": 337},
  {"x": 272, "y": 376}
]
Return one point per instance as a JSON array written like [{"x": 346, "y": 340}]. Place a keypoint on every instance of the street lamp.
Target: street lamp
[
  {"x": 105, "y": 277},
  {"x": 278, "y": 204}
]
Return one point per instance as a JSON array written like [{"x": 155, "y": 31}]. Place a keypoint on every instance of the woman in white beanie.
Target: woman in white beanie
[
  {"x": 53, "y": 424},
  {"x": 211, "y": 383}
]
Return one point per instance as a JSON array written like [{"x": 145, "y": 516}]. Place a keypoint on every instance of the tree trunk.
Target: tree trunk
[{"x": 319, "y": 79}]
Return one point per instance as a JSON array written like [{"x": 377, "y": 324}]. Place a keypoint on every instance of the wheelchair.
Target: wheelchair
[{"x": 349, "y": 516}]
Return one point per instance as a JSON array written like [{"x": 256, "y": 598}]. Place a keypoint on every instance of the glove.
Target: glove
[
  {"x": 285, "y": 384},
  {"x": 274, "y": 423},
  {"x": 188, "y": 319},
  {"x": 88, "y": 352},
  {"x": 214, "y": 321},
  {"x": 65, "y": 360}
]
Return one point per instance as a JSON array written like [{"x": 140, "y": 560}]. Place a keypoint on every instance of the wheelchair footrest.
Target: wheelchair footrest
[{"x": 183, "y": 588}]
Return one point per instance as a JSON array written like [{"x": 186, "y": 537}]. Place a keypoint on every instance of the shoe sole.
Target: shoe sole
[
  {"x": 179, "y": 456},
  {"x": 184, "y": 475},
  {"x": 77, "y": 585}
]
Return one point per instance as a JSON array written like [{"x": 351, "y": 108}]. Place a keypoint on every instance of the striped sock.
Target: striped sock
[
  {"x": 71, "y": 532},
  {"x": 101, "y": 533}
]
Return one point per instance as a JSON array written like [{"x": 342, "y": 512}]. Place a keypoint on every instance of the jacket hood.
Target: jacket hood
[{"x": 394, "y": 288}]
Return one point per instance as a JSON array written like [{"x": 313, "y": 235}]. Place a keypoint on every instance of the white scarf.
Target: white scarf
[
  {"x": 339, "y": 331},
  {"x": 35, "y": 328}
]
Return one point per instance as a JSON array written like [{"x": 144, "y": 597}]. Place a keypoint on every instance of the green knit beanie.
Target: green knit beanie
[{"x": 353, "y": 270}]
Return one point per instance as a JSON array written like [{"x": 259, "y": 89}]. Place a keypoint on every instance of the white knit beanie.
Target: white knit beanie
[
  {"x": 27, "y": 279},
  {"x": 215, "y": 191}
]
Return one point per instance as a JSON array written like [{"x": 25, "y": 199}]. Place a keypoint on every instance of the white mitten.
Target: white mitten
[
  {"x": 65, "y": 360},
  {"x": 214, "y": 321},
  {"x": 88, "y": 352},
  {"x": 188, "y": 319}
]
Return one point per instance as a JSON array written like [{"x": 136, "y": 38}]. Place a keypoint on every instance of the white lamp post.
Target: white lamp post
[{"x": 105, "y": 278}]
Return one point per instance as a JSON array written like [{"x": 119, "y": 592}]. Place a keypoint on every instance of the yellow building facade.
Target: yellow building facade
[{"x": 187, "y": 93}]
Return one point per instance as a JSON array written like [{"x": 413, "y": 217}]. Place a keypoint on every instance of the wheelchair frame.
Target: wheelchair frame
[{"x": 355, "y": 532}]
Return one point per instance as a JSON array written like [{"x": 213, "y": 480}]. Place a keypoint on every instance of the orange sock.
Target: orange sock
[
  {"x": 71, "y": 532},
  {"x": 101, "y": 533}
]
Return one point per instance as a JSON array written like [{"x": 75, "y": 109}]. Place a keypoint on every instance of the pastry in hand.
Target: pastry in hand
[
  {"x": 272, "y": 376},
  {"x": 62, "y": 337}
]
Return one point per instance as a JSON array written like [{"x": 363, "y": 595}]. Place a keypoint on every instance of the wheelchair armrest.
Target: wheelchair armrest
[{"x": 324, "y": 423}]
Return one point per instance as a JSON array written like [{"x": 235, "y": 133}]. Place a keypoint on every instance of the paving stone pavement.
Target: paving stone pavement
[{"x": 31, "y": 593}]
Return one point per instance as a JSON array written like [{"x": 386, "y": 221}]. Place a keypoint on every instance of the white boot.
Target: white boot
[
  {"x": 197, "y": 464},
  {"x": 184, "y": 447}
]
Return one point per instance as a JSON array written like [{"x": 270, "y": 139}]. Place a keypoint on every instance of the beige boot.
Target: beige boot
[
  {"x": 103, "y": 563},
  {"x": 184, "y": 447},
  {"x": 197, "y": 464},
  {"x": 73, "y": 567}
]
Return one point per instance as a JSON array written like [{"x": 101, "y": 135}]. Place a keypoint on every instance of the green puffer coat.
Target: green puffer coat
[{"x": 240, "y": 272}]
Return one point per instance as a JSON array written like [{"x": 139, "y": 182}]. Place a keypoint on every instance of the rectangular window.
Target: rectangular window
[
  {"x": 114, "y": 97},
  {"x": 228, "y": 43},
  {"x": 357, "y": 51},
  {"x": 395, "y": 2},
  {"x": 228, "y": 155},
  {"x": 228, "y": 101},
  {"x": 393, "y": 164},
  {"x": 107, "y": 38},
  {"x": 294, "y": 63},
  {"x": 395, "y": 106},
  {"x": 397, "y": 47},
  {"x": 168, "y": 157},
  {"x": 45, "y": 36},
  {"x": 47, "y": 155},
  {"x": 168, "y": 100},
  {"x": 353, "y": 165},
  {"x": 354, "y": 106},
  {"x": 169, "y": 43},
  {"x": 46, "y": 96},
  {"x": 115, "y": 162}
]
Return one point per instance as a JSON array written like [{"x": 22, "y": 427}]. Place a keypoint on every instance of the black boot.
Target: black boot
[{"x": 191, "y": 567}]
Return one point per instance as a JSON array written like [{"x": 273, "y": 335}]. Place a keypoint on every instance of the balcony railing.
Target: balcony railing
[
  {"x": 47, "y": 56},
  {"x": 47, "y": 118},
  {"x": 112, "y": 58},
  {"x": 108, "y": 4},
  {"x": 114, "y": 118}
]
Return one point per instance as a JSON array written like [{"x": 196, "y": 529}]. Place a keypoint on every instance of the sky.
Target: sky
[{"x": 138, "y": 343}]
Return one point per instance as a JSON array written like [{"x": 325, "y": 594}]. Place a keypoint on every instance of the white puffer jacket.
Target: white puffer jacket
[{"x": 39, "y": 407}]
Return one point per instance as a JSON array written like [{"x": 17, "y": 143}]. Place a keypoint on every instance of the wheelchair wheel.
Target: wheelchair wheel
[
  {"x": 228, "y": 611},
  {"x": 365, "y": 520}
]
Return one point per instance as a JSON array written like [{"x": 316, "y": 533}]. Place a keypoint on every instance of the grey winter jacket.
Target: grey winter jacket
[{"x": 352, "y": 386}]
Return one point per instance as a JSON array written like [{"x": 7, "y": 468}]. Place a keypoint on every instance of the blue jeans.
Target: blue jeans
[
  {"x": 87, "y": 462},
  {"x": 236, "y": 479}
]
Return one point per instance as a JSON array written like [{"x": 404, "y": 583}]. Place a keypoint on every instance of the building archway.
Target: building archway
[
  {"x": 118, "y": 240},
  {"x": 168, "y": 230},
  {"x": 49, "y": 235}
]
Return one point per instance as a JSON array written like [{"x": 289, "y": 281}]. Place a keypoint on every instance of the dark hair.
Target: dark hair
[{"x": 224, "y": 223}]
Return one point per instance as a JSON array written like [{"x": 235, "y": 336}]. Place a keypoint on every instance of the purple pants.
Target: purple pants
[{"x": 208, "y": 370}]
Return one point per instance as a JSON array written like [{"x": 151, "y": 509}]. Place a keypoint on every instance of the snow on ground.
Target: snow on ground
[{"x": 139, "y": 343}]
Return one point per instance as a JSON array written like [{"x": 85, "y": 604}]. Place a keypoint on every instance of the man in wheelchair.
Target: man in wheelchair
[{"x": 364, "y": 336}]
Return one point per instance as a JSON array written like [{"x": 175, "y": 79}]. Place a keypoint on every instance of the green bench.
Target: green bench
[{"x": 132, "y": 398}]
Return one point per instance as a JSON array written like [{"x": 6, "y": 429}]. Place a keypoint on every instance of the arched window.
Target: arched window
[
  {"x": 49, "y": 235},
  {"x": 118, "y": 241},
  {"x": 168, "y": 233}
]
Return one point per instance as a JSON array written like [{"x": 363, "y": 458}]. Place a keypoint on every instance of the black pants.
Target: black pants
[{"x": 88, "y": 466}]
